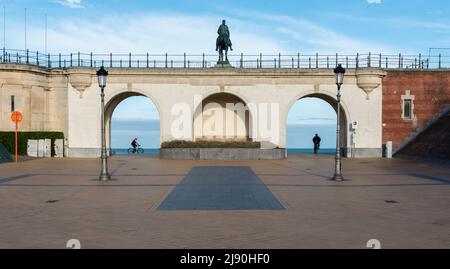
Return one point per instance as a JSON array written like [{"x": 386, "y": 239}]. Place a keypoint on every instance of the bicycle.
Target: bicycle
[{"x": 138, "y": 150}]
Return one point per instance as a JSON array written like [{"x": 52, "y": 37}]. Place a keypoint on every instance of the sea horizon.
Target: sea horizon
[{"x": 155, "y": 151}]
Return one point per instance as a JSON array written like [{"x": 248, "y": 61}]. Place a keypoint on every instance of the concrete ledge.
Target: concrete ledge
[
  {"x": 84, "y": 152},
  {"x": 364, "y": 152},
  {"x": 222, "y": 154}
]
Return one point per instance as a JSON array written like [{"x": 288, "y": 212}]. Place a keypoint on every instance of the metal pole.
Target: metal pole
[
  {"x": 337, "y": 173},
  {"x": 25, "y": 28},
  {"x": 129, "y": 60},
  {"x": 104, "y": 175},
  {"x": 242, "y": 60},
  {"x": 4, "y": 26},
  {"x": 45, "y": 33}
]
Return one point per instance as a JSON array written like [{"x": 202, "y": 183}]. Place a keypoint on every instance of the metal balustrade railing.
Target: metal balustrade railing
[{"x": 253, "y": 61}]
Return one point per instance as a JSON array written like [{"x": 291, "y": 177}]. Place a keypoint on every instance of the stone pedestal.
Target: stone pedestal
[{"x": 223, "y": 64}]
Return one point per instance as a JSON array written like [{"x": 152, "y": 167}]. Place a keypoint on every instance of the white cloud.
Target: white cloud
[
  {"x": 374, "y": 1},
  {"x": 158, "y": 33},
  {"x": 70, "y": 3}
]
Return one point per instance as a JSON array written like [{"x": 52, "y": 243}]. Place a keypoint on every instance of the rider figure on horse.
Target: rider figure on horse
[{"x": 224, "y": 34}]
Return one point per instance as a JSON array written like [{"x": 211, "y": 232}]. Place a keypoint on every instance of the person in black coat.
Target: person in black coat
[{"x": 316, "y": 140}]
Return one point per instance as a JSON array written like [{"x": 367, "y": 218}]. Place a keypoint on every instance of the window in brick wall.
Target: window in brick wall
[
  {"x": 407, "y": 109},
  {"x": 407, "y": 104}
]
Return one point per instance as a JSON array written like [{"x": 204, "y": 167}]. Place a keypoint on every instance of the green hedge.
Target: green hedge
[
  {"x": 210, "y": 144},
  {"x": 8, "y": 140}
]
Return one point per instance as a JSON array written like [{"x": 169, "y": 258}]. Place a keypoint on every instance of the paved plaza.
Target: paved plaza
[{"x": 153, "y": 203}]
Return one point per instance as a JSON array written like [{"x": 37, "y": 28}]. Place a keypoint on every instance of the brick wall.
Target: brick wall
[{"x": 431, "y": 91}]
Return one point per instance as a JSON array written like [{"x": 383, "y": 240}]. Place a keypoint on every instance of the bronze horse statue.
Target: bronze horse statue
[{"x": 223, "y": 42}]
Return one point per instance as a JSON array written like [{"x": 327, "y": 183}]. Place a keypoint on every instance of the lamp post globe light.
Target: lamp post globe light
[
  {"x": 102, "y": 75},
  {"x": 339, "y": 72}
]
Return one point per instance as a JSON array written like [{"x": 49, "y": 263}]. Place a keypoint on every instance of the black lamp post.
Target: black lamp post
[
  {"x": 102, "y": 75},
  {"x": 339, "y": 71}
]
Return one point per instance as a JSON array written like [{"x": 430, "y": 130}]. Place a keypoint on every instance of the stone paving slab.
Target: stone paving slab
[
  {"x": 319, "y": 213},
  {"x": 221, "y": 188}
]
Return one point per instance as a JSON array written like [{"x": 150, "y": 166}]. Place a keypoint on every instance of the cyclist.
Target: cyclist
[{"x": 135, "y": 144}]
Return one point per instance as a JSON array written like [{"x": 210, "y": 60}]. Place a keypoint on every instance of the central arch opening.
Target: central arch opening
[
  {"x": 128, "y": 116},
  {"x": 222, "y": 117},
  {"x": 315, "y": 114}
]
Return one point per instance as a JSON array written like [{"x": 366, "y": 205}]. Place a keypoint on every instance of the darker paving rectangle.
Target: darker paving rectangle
[{"x": 221, "y": 188}]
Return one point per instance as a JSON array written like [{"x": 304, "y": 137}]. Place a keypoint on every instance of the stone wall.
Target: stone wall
[
  {"x": 430, "y": 92},
  {"x": 434, "y": 142}
]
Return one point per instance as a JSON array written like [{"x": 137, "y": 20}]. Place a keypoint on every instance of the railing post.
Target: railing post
[
  {"x": 387, "y": 62},
  {"x": 346, "y": 61},
  {"x": 129, "y": 60},
  {"x": 440, "y": 65},
  {"x": 171, "y": 63},
  {"x": 328, "y": 62},
  {"x": 309, "y": 62},
  {"x": 78, "y": 59},
  {"x": 379, "y": 63},
  {"x": 257, "y": 63},
  {"x": 279, "y": 60},
  {"x": 37, "y": 58},
  {"x": 154, "y": 63},
  {"x": 357, "y": 60},
  {"x": 317, "y": 60},
  {"x": 28, "y": 57},
  {"x": 292, "y": 62},
  {"x": 298, "y": 60},
  {"x": 368, "y": 60},
  {"x": 275, "y": 63},
  {"x": 147, "y": 61},
  {"x": 110, "y": 60},
  {"x": 184, "y": 60},
  {"x": 166, "y": 60},
  {"x": 242, "y": 60},
  {"x": 4, "y": 54},
  {"x": 337, "y": 59},
  {"x": 260, "y": 60},
  {"x": 420, "y": 61},
  {"x": 71, "y": 58},
  {"x": 399, "y": 61},
  {"x": 17, "y": 57},
  {"x": 203, "y": 60},
  {"x": 48, "y": 61},
  {"x": 59, "y": 60}
]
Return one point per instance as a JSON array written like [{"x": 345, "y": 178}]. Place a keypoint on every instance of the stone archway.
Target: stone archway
[
  {"x": 222, "y": 117},
  {"x": 344, "y": 119},
  {"x": 112, "y": 105}
]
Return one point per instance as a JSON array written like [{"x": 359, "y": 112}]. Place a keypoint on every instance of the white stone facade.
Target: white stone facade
[{"x": 68, "y": 100}]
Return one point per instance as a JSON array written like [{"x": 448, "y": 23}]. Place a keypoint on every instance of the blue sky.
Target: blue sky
[
  {"x": 350, "y": 26},
  {"x": 175, "y": 26}
]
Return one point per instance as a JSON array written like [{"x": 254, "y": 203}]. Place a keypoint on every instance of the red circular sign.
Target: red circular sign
[{"x": 16, "y": 116}]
